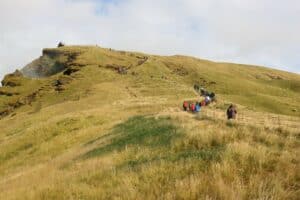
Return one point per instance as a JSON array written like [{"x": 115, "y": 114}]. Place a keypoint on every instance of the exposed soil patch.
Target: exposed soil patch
[
  {"x": 59, "y": 84},
  {"x": 9, "y": 94},
  {"x": 274, "y": 76},
  {"x": 181, "y": 71},
  {"x": 118, "y": 68},
  {"x": 142, "y": 60},
  {"x": 71, "y": 70},
  {"x": 176, "y": 69}
]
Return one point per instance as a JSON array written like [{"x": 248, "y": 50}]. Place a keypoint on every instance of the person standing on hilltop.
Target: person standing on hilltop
[{"x": 231, "y": 112}]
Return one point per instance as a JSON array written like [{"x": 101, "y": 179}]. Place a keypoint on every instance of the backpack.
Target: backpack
[{"x": 207, "y": 99}]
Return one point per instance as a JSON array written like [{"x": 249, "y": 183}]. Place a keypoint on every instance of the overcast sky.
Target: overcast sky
[{"x": 261, "y": 32}]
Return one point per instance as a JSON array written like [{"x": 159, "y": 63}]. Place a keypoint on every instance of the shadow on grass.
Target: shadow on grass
[{"x": 139, "y": 130}]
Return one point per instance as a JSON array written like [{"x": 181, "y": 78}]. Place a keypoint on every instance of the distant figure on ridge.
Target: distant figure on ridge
[
  {"x": 60, "y": 44},
  {"x": 231, "y": 112}
]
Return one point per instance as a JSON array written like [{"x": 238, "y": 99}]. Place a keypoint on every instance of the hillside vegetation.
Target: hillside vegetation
[{"x": 87, "y": 122}]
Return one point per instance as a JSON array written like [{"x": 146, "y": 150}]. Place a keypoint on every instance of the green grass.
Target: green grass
[{"x": 138, "y": 131}]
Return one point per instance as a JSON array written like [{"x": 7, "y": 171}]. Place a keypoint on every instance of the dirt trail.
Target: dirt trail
[{"x": 245, "y": 117}]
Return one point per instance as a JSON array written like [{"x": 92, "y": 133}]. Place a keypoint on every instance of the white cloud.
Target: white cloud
[{"x": 261, "y": 32}]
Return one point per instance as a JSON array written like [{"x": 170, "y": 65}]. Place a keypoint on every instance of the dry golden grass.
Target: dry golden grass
[
  {"x": 212, "y": 159},
  {"x": 127, "y": 138}
]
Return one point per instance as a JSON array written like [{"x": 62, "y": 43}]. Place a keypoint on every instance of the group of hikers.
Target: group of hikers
[
  {"x": 190, "y": 106},
  {"x": 195, "y": 107}
]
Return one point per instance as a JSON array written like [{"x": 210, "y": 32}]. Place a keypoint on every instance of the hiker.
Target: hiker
[
  {"x": 207, "y": 100},
  {"x": 198, "y": 107},
  {"x": 192, "y": 107},
  {"x": 196, "y": 87},
  {"x": 203, "y": 92},
  {"x": 185, "y": 106},
  {"x": 60, "y": 44},
  {"x": 203, "y": 103},
  {"x": 231, "y": 112},
  {"x": 212, "y": 96}
]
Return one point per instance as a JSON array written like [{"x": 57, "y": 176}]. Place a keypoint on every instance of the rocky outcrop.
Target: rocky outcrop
[
  {"x": 13, "y": 79},
  {"x": 118, "y": 68},
  {"x": 142, "y": 60},
  {"x": 71, "y": 70},
  {"x": 59, "y": 84},
  {"x": 274, "y": 76},
  {"x": 11, "y": 106},
  {"x": 52, "y": 61},
  {"x": 6, "y": 93}
]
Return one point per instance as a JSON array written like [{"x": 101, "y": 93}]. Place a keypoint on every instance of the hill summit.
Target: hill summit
[
  {"x": 85, "y": 122},
  {"x": 258, "y": 88}
]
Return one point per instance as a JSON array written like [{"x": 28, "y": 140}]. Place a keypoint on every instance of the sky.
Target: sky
[{"x": 258, "y": 32}]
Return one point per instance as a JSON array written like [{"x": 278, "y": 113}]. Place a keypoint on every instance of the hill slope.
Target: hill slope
[{"x": 101, "y": 123}]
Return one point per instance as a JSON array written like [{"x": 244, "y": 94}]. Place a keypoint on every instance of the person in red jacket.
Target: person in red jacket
[
  {"x": 192, "y": 107},
  {"x": 185, "y": 106}
]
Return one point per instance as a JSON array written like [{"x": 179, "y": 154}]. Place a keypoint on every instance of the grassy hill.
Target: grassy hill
[{"x": 94, "y": 123}]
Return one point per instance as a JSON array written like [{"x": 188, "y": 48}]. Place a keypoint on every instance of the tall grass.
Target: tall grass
[
  {"x": 111, "y": 136},
  {"x": 144, "y": 157}
]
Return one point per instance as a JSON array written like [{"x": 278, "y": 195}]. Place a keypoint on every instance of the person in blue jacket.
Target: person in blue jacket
[{"x": 198, "y": 107}]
